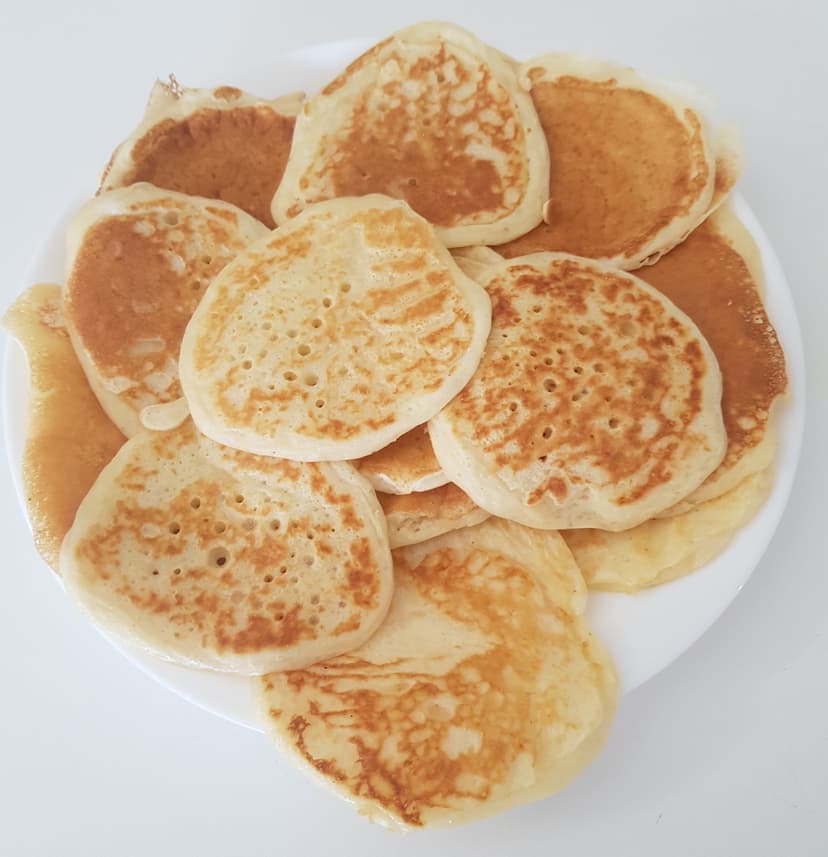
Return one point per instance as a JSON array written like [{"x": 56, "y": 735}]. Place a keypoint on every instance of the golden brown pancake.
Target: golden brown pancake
[
  {"x": 596, "y": 403},
  {"x": 406, "y": 465},
  {"x": 220, "y": 559},
  {"x": 715, "y": 277},
  {"x": 414, "y": 518},
  {"x": 69, "y": 438},
  {"x": 432, "y": 116},
  {"x": 663, "y": 549},
  {"x": 631, "y": 168},
  {"x": 334, "y": 335},
  {"x": 483, "y": 689},
  {"x": 139, "y": 260},
  {"x": 220, "y": 143}
]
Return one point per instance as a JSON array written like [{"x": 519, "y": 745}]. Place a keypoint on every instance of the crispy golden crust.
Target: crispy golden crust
[
  {"x": 431, "y": 116},
  {"x": 483, "y": 689},
  {"x": 69, "y": 439},
  {"x": 596, "y": 400},
  {"x": 140, "y": 259},
  {"x": 220, "y": 559},
  {"x": 332, "y": 337}
]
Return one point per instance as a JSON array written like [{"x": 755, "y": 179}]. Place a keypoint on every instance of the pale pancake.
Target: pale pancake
[
  {"x": 406, "y": 465},
  {"x": 414, "y": 518},
  {"x": 482, "y": 690},
  {"x": 69, "y": 438},
  {"x": 218, "y": 143},
  {"x": 333, "y": 336},
  {"x": 596, "y": 404},
  {"x": 220, "y": 559},
  {"x": 661, "y": 550},
  {"x": 715, "y": 276},
  {"x": 433, "y": 116},
  {"x": 474, "y": 261},
  {"x": 139, "y": 260},
  {"x": 632, "y": 164}
]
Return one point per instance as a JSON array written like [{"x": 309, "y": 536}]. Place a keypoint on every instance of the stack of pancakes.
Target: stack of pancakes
[{"x": 506, "y": 342}]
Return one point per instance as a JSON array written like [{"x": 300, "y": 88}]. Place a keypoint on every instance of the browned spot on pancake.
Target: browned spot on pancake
[
  {"x": 133, "y": 287},
  {"x": 69, "y": 438},
  {"x": 236, "y": 155},
  {"x": 227, "y": 93},
  {"x": 708, "y": 279},
  {"x": 578, "y": 379},
  {"x": 427, "y": 739},
  {"x": 446, "y": 501},
  {"x": 417, "y": 146},
  {"x": 407, "y": 459},
  {"x": 622, "y": 166}
]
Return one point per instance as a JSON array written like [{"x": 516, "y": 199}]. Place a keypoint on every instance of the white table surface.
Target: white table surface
[{"x": 725, "y": 753}]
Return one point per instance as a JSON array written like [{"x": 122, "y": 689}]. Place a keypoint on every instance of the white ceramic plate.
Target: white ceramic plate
[{"x": 644, "y": 633}]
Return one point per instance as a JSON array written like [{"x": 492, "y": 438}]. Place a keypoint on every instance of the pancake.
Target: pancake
[
  {"x": 596, "y": 404},
  {"x": 406, "y": 465},
  {"x": 482, "y": 690},
  {"x": 333, "y": 336},
  {"x": 69, "y": 438},
  {"x": 219, "y": 559},
  {"x": 414, "y": 518},
  {"x": 661, "y": 550},
  {"x": 218, "y": 143},
  {"x": 139, "y": 260},
  {"x": 474, "y": 261},
  {"x": 715, "y": 276},
  {"x": 632, "y": 165},
  {"x": 432, "y": 116}
]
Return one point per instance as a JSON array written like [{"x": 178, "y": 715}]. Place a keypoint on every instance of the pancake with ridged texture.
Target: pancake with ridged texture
[
  {"x": 483, "y": 689},
  {"x": 333, "y": 336},
  {"x": 139, "y": 260},
  {"x": 715, "y": 276},
  {"x": 220, "y": 559},
  {"x": 404, "y": 466},
  {"x": 414, "y": 518},
  {"x": 69, "y": 438},
  {"x": 219, "y": 143},
  {"x": 433, "y": 116},
  {"x": 596, "y": 404},
  {"x": 632, "y": 164},
  {"x": 663, "y": 549}
]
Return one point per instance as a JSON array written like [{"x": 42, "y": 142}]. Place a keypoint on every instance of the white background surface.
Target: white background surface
[{"x": 726, "y": 753}]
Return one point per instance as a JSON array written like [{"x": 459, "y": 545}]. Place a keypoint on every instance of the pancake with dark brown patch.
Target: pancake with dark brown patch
[
  {"x": 139, "y": 260},
  {"x": 218, "y": 143},
  {"x": 69, "y": 438},
  {"x": 215, "y": 558},
  {"x": 432, "y": 116},
  {"x": 482, "y": 690},
  {"x": 405, "y": 466},
  {"x": 415, "y": 518},
  {"x": 596, "y": 403},
  {"x": 632, "y": 170},
  {"x": 715, "y": 277}
]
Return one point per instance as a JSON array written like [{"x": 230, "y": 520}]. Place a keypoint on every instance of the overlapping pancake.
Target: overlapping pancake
[
  {"x": 414, "y": 518},
  {"x": 596, "y": 403},
  {"x": 715, "y": 276},
  {"x": 220, "y": 559},
  {"x": 218, "y": 143},
  {"x": 406, "y": 465},
  {"x": 474, "y": 261},
  {"x": 433, "y": 116},
  {"x": 632, "y": 167},
  {"x": 333, "y": 336},
  {"x": 483, "y": 689},
  {"x": 139, "y": 260},
  {"x": 663, "y": 549},
  {"x": 69, "y": 438}
]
